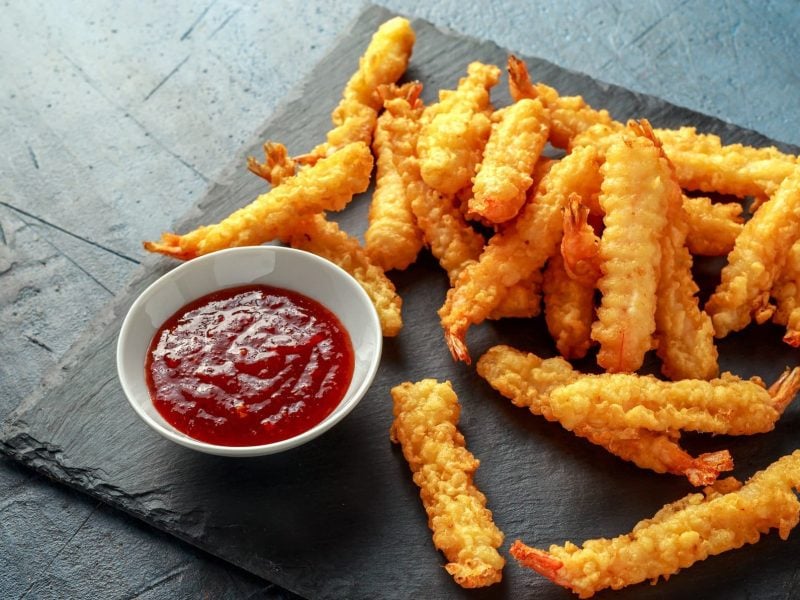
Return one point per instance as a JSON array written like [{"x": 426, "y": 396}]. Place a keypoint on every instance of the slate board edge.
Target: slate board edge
[{"x": 50, "y": 461}]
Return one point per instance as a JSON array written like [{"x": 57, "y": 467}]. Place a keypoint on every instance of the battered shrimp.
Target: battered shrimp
[
  {"x": 456, "y": 129},
  {"x": 519, "y": 250},
  {"x": 756, "y": 259},
  {"x": 518, "y": 135},
  {"x": 529, "y": 382},
  {"x": 726, "y": 516},
  {"x": 324, "y": 238},
  {"x": 329, "y": 185},
  {"x": 426, "y": 417},
  {"x": 786, "y": 292},
  {"x": 384, "y": 62},
  {"x": 633, "y": 197},
  {"x": 713, "y": 227},
  {"x": 568, "y": 309},
  {"x": 580, "y": 246},
  {"x": 392, "y": 239}
]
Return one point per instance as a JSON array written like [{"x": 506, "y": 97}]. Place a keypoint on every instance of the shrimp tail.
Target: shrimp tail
[{"x": 784, "y": 389}]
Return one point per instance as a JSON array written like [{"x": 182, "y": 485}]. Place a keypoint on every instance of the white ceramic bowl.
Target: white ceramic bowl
[{"x": 277, "y": 266}]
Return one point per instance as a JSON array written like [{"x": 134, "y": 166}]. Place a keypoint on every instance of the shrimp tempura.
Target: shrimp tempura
[
  {"x": 456, "y": 129},
  {"x": 713, "y": 227},
  {"x": 426, "y": 417},
  {"x": 384, "y": 62},
  {"x": 756, "y": 259},
  {"x": 725, "y": 516},
  {"x": 786, "y": 292},
  {"x": 568, "y": 309}
]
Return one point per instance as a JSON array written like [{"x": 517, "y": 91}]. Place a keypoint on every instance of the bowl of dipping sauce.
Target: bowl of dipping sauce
[{"x": 249, "y": 351}]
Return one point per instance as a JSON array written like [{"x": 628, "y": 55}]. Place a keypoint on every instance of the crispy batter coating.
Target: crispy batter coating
[
  {"x": 328, "y": 185},
  {"x": 724, "y": 517},
  {"x": 786, "y": 292},
  {"x": 568, "y": 309},
  {"x": 757, "y": 257},
  {"x": 456, "y": 129},
  {"x": 519, "y": 133},
  {"x": 384, "y": 62},
  {"x": 529, "y": 382},
  {"x": 713, "y": 227},
  {"x": 634, "y": 201},
  {"x": 426, "y": 417},
  {"x": 324, "y": 238},
  {"x": 392, "y": 239},
  {"x": 519, "y": 250}
]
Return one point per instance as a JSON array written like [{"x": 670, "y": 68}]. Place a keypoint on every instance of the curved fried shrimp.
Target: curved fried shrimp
[
  {"x": 529, "y": 381},
  {"x": 324, "y": 238},
  {"x": 724, "y": 517},
  {"x": 277, "y": 166},
  {"x": 384, "y": 61},
  {"x": 518, "y": 135},
  {"x": 455, "y": 131},
  {"x": 580, "y": 246},
  {"x": 786, "y": 292},
  {"x": 392, "y": 239},
  {"x": 329, "y": 185},
  {"x": 425, "y": 424},
  {"x": 756, "y": 259},
  {"x": 634, "y": 199},
  {"x": 519, "y": 250},
  {"x": 703, "y": 163},
  {"x": 568, "y": 309},
  {"x": 713, "y": 227},
  {"x": 569, "y": 115}
]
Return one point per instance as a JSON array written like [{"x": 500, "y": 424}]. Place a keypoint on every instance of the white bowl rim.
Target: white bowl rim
[{"x": 347, "y": 404}]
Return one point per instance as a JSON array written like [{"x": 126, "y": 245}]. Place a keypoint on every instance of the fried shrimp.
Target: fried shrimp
[
  {"x": 519, "y": 250},
  {"x": 756, "y": 259},
  {"x": 786, "y": 292},
  {"x": 713, "y": 227},
  {"x": 455, "y": 131},
  {"x": 633, "y": 197},
  {"x": 328, "y": 185},
  {"x": 725, "y": 516},
  {"x": 392, "y": 239},
  {"x": 568, "y": 309},
  {"x": 530, "y": 382},
  {"x": 580, "y": 246},
  {"x": 518, "y": 135},
  {"x": 425, "y": 424},
  {"x": 384, "y": 62}
]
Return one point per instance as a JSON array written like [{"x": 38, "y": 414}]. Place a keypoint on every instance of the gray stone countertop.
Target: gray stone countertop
[{"x": 116, "y": 116}]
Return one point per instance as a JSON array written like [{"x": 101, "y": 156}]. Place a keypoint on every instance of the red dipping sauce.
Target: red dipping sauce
[{"x": 249, "y": 365}]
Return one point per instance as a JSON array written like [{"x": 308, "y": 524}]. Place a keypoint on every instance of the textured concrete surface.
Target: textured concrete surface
[{"x": 117, "y": 116}]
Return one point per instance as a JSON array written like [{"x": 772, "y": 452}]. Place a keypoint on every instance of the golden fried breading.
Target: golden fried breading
[
  {"x": 324, "y": 238},
  {"x": 757, "y": 257},
  {"x": 568, "y": 309},
  {"x": 426, "y": 415},
  {"x": 328, "y": 185},
  {"x": 392, "y": 239},
  {"x": 786, "y": 292},
  {"x": 633, "y": 197},
  {"x": 724, "y": 517},
  {"x": 519, "y": 250},
  {"x": 529, "y": 382},
  {"x": 384, "y": 62},
  {"x": 713, "y": 227},
  {"x": 455, "y": 131},
  {"x": 519, "y": 133}
]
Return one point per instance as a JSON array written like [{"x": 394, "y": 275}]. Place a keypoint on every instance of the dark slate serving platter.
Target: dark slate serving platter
[{"x": 340, "y": 517}]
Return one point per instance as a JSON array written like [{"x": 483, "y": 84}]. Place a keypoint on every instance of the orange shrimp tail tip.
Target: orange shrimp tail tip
[
  {"x": 706, "y": 468},
  {"x": 792, "y": 338},
  {"x": 538, "y": 560},
  {"x": 169, "y": 245},
  {"x": 519, "y": 81},
  {"x": 785, "y": 389},
  {"x": 458, "y": 349}
]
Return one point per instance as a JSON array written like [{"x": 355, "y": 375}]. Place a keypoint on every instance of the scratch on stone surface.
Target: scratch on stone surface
[
  {"x": 69, "y": 233},
  {"x": 655, "y": 23},
  {"x": 168, "y": 576},
  {"x": 46, "y": 570},
  {"x": 188, "y": 32},
  {"x": 79, "y": 267},
  {"x": 163, "y": 81},
  {"x": 36, "y": 342},
  {"x": 32, "y": 154},
  {"x": 133, "y": 119},
  {"x": 225, "y": 22}
]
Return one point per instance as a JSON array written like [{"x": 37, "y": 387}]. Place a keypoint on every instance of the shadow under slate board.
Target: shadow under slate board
[{"x": 340, "y": 517}]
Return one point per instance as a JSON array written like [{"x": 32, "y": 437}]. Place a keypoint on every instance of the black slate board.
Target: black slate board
[{"x": 340, "y": 517}]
